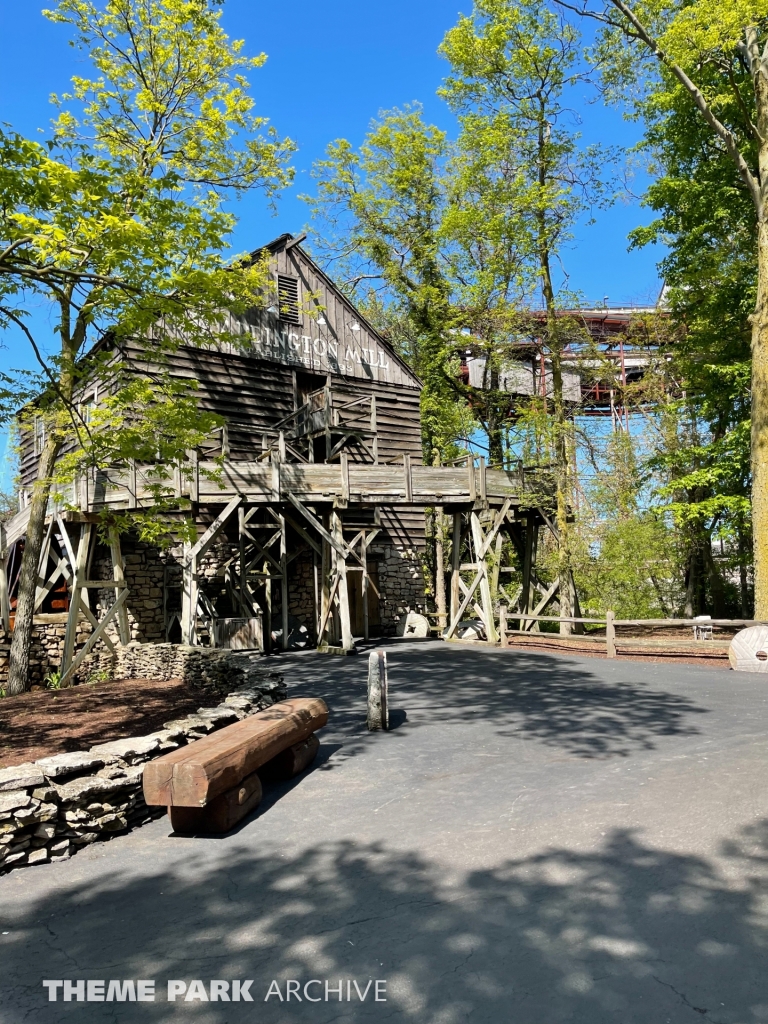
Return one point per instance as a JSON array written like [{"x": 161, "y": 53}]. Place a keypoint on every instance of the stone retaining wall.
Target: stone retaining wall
[{"x": 55, "y": 806}]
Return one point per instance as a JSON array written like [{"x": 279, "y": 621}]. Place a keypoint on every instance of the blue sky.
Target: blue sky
[{"x": 332, "y": 66}]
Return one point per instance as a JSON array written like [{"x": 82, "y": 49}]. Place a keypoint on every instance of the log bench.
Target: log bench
[{"x": 212, "y": 784}]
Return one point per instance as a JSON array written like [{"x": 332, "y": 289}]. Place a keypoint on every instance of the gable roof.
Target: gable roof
[{"x": 279, "y": 243}]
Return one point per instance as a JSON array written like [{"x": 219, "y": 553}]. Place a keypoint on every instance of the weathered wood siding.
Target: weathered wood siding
[{"x": 253, "y": 385}]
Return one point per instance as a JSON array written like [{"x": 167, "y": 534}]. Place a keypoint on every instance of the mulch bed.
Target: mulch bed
[{"x": 35, "y": 725}]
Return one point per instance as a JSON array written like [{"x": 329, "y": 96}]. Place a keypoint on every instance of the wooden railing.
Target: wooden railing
[{"x": 611, "y": 622}]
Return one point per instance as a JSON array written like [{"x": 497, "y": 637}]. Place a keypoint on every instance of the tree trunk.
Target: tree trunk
[
  {"x": 18, "y": 669},
  {"x": 760, "y": 426}
]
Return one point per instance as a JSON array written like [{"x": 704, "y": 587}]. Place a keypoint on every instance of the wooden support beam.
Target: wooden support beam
[
  {"x": 5, "y": 604},
  {"x": 328, "y": 605},
  {"x": 548, "y": 596},
  {"x": 81, "y": 562},
  {"x": 462, "y": 607},
  {"x": 98, "y": 634},
  {"x": 189, "y": 596},
  {"x": 118, "y": 574},
  {"x": 345, "y": 622},
  {"x": 455, "y": 565},
  {"x": 481, "y": 545},
  {"x": 131, "y": 484},
  {"x": 408, "y": 475},
  {"x": 345, "y": 478},
  {"x": 284, "y": 580},
  {"x": 198, "y": 550},
  {"x": 337, "y": 543}
]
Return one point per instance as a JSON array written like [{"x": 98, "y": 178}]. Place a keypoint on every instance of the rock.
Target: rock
[
  {"x": 59, "y": 847},
  {"x": 15, "y": 799},
  {"x": 14, "y": 858},
  {"x": 21, "y": 776},
  {"x": 79, "y": 790},
  {"x": 45, "y": 793},
  {"x": 130, "y": 750},
  {"x": 61, "y": 765},
  {"x": 26, "y": 815},
  {"x": 112, "y": 822},
  {"x": 85, "y": 838},
  {"x": 37, "y": 856},
  {"x": 46, "y": 831},
  {"x": 219, "y": 717}
]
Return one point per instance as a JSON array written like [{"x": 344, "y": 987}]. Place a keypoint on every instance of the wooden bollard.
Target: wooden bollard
[{"x": 378, "y": 709}]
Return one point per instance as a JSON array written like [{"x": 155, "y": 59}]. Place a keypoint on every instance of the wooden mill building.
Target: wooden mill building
[{"x": 310, "y": 526}]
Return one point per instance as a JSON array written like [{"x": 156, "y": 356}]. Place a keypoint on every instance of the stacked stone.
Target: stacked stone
[
  {"x": 56, "y": 806},
  {"x": 402, "y": 587}
]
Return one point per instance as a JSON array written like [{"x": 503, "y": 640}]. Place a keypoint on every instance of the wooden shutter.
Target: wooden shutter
[{"x": 288, "y": 299}]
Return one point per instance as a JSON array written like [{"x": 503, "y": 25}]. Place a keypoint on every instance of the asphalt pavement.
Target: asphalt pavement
[{"x": 539, "y": 839}]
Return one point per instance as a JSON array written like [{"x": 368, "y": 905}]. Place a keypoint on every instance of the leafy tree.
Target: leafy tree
[
  {"x": 708, "y": 60},
  {"x": 512, "y": 66},
  {"x": 119, "y": 220}
]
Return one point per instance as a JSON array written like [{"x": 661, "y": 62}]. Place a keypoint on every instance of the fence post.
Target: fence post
[
  {"x": 610, "y": 635},
  {"x": 503, "y": 625}
]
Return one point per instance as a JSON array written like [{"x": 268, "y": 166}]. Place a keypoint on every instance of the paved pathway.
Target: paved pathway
[{"x": 541, "y": 839}]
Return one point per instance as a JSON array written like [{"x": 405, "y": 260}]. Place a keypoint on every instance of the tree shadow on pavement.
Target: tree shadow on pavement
[
  {"x": 553, "y": 700},
  {"x": 625, "y": 933}
]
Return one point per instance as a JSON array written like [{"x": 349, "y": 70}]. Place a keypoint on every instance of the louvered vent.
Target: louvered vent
[{"x": 288, "y": 299}]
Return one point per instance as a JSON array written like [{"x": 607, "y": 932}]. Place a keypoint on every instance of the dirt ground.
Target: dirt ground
[{"x": 35, "y": 725}]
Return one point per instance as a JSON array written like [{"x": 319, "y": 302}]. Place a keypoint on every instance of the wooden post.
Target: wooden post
[
  {"x": 327, "y": 409},
  {"x": 5, "y": 604},
  {"x": 503, "y": 625},
  {"x": 316, "y": 592},
  {"x": 378, "y": 696},
  {"x": 497, "y": 564},
  {"x": 374, "y": 431},
  {"x": 325, "y": 578},
  {"x": 189, "y": 597},
  {"x": 364, "y": 559},
  {"x": 442, "y": 618},
  {"x": 70, "y": 637},
  {"x": 118, "y": 575},
  {"x": 244, "y": 611},
  {"x": 408, "y": 478},
  {"x": 455, "y": 563},
  {"x": 485, "y": 587},
  {"x": 132, "y": 496},
  {"x": 267, "y": 570},
  {"x": 610, "y": 635},
  {"x": 284, "y": 578},
  {"x": 529, "y": 556},
  {"x": 347, "y": 641}
]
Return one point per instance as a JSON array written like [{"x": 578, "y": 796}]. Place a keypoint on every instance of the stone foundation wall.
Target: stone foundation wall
[
  {"x": 401, "y": 584},
  {"x": 55, "y": 806}
]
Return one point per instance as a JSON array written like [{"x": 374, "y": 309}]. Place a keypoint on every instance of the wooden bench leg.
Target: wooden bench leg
[
  {"x": 291, "y": 761},
  {"x": 222, "y": 813}
]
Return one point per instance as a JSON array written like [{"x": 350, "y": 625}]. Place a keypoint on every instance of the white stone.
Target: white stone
[
  {"x": 12, "y": 801},
  {"x": 21, "y": 776},
  {"x": 126, "y": 750},
  {"x": 91, "y": 786},
  {"x": 67, "y": 764}
]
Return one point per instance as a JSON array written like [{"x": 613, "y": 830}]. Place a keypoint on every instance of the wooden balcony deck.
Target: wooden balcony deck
[{"x": 337, "y": 484}]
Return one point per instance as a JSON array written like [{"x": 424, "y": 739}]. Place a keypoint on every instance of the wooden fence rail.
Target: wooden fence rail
[{"x": 611, "y": 622}]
